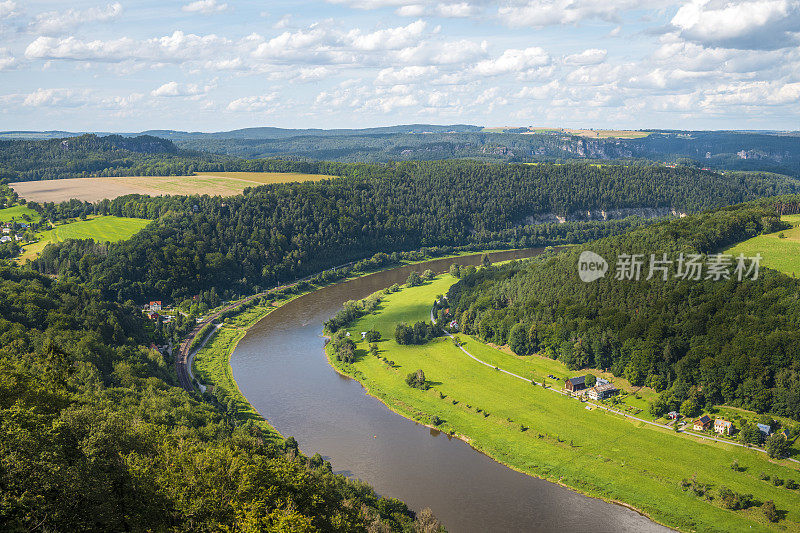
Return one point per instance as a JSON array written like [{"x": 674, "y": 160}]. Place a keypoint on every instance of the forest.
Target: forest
[
  {"x": 277, "y": 233},
  {"x": 697, "y": 343},
  {"x": 97, "y": 436}
]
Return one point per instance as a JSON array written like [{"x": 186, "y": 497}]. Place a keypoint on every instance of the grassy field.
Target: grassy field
[
  {"x": 18, "y": 213},
  {"x": 100, "y": 229},
  {"x": 539, "y": 432},
  {"x": 781, "y": 254},
  {"x": 211, "y": 183}
]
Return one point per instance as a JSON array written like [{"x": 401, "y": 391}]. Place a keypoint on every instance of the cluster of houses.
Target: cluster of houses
[
  {"x": 153, "y": 312},
  {"x": 12, "y": 232},
  {"x": 725, "y": 427},
  {"x": 602, "y": 389}
]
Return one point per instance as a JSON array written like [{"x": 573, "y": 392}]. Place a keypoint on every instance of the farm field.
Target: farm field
[
  {"x": 596, "y": 134},
  {"x": 95, "y": 189},
  {"x": 18, "y": 213},
  {"x": 541, "y": 433},
  {"x": 778, "y": 253},
  {"x": 100, "y": 229}
]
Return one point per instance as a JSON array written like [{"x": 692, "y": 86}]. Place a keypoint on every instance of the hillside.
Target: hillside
[
  {"x": 703, "y": 342},
  {"x": 279, "y": 232}
]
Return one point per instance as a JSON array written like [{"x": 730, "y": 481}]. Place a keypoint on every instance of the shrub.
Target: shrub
[
  {"x": 414, "y": 279},
  {"x": 777, "y": 447},
  {"x": 770, "y": 511},
  {"x": 417, "y": 380}
]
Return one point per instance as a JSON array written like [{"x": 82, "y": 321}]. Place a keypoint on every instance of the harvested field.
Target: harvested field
[{"x": 94, "y": 189}]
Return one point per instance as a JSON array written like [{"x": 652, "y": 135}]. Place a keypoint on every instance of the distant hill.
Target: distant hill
[{"x": 256, "y": 133}]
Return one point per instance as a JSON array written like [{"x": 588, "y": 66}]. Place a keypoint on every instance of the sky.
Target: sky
[{"x": 216, "y": 65}]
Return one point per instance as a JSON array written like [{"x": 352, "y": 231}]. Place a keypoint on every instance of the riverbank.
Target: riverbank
[
  {"x": 211, "y": 364},
  {"x": 535, "y": 431}
]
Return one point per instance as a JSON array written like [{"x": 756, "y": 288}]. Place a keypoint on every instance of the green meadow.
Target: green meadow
[
  {"x": 100, "y": 229},
  {"x": 19, "y": 214},
  {"x": 779, "y": 250},
  {"x": 541, "y": 433}
]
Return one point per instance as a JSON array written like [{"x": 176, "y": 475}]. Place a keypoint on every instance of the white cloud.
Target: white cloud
[
  {"x": 253, "y": 103},
  {"x": 54, "y": 98},
  {"x": 413, "y": 10},
  {"x": 206, "y": 7},
  {"x": 61, "y": 22},
  {"x": 591, "y": 56},
  {"x": 386, "y": 39},
  {"x": 283, "y": 22},
  {"x": 177, "y": 47},
  {"x": 6, "y": 59},
  {"x": 438, "y": 9},
  {"x": 8, "y": 9},
  {"x": 394, "y": 76},
  {"x": 541, "y": 13},
  {"x": 173, "y": 89},
  {"x": 513, "y": 61},
  {"x": 748, "y": 24}
]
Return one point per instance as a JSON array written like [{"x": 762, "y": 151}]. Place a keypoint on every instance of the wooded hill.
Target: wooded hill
[
  {"x": 95, "y": 435},
  {"x": 733, "y": 342},
  {"x": 278, "y": 233}
]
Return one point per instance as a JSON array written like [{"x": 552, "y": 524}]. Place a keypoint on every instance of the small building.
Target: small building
[
  {"x": 155, "y": 305},
  {"x": 765, "y": 429},
  {"x": 673, "y": 415},
  {"x": 5, "y": 238},
  {"x": 602, "y": 391},
  {"x": 722, "y": 426},
  {"x": 453, "y": 325},
  {"x": 701, "y": 424},
  {"x": 575, "y": 384},
  {"x": 601, "y": 381}
]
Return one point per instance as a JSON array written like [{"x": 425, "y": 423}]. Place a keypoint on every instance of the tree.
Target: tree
[
  {"x": 455, "y": 270},
  {"x": 417, "y": 380},
  {"x": 403, "y": 334},
  {"x": 485, "y": 261},
  {"x": 777, "y": 446},
  {"x": 590, "y": 380},
  {"x": 373, "y": 336},
  {"x": 414, "y": 279},
  {"x": 518, "y": 340},
  {"x": 690, "y": 407},
  {"x": 428, "y": 274},
  {"x": 750, "y": 434},
  {"x": 770, "y": 511}
]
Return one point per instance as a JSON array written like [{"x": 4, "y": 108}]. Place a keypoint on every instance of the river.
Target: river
[{"x": 281, "y": 368}]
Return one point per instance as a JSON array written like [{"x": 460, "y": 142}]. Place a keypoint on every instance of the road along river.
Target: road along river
[{"x": 281, "y": 368}]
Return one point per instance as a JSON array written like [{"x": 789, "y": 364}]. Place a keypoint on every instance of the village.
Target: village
[
  {"x": 14, "y": 232},
  {"x": 587, "y": 387}
]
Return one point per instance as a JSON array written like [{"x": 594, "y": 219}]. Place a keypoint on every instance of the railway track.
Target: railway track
[{"x": 184, "y": 352}]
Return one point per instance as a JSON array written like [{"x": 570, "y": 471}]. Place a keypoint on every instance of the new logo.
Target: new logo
[{"x": 591, "y": 266}]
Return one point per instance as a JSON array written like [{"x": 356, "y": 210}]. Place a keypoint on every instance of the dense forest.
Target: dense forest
[
  {"x": 96, "y": 437},
  {"x": 90, "y": 155},
  {"x": 276, "y": 233},
  {"x": 702, "y": 342}
]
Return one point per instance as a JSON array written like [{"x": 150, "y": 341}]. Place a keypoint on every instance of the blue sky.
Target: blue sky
[{"x": 211, "y": 65}]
